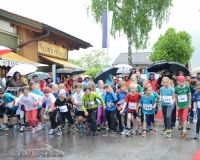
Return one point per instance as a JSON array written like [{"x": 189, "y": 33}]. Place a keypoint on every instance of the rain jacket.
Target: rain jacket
[
  {"x": 109, "y": 81},
  {"x": 154, "y": 83},
  {"x": 110, "y": 98},
  {"x": 85, "y": 83}
]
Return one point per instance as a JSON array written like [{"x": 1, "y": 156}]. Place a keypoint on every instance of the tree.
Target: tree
[
  {"x": 134, "y": 18},
  {"x": 92, "y": 72},
  {"x": 95, "y": 58},
  {"x": 173, "y": 46}
]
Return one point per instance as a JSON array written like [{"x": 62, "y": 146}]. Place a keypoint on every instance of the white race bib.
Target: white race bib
[
  {"x": 121, "y": 102},
  {"x": 167, "y": 99},
  {"x": 198, "y": 104},
  {"x": 91, "y": 104},
  {"x": 132, "y": 105},
  {"x": 108, "y": 104},
  {"x": 63, "y": 108},
  {"x": 182, "y": 98},
  {"x": 147, "y": 107}
]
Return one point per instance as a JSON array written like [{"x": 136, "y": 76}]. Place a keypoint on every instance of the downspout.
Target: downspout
[{"x": 35, "y": 39}]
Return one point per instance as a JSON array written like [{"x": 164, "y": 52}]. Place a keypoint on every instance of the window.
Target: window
[{"x": 144, "y": 71}]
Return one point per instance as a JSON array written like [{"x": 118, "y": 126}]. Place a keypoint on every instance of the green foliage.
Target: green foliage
[
  {"x": 92, "y": 72},
  {"x": 134, "y": 18},
  {"x": 173, "y": 46},
  {"x": 95, "y": 58}
]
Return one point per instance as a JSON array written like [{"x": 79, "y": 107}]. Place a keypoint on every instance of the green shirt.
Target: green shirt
[
  {"x": 139, "y": 89},
  {"x": 182, "y": 96},
  {"x": 90, "y": 102}
]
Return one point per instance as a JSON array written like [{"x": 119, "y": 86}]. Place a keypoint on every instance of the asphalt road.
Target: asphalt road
[{"x": 74, "y": 146}]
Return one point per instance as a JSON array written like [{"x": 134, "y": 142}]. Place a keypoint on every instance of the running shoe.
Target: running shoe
[
  {"x": 164, "y": 132},
  {"x": 82, "y": 129},
  {"x": 196, "y": 136},
  {"x": 15, "y": 128},
  {"x": 74, "y": 128},
  {"x": 180, "y": 127},
  {"x": 34, "y": 130},
  {"x": 133, "y": 132},
  {"x": 56, "y": 130},
  {"x": 103, "y": 127},
  {"x": 39, "y": 126},
  {"x": 147, "y": 128},
  {"x": 124, "y": 131},
  {"x": 51, "y": 131},
  {"x": 150, "y": 128},
  {"x": 59, "y": 132},
  {"x": 4, "y": 127},
  {"x": 22, "y": 129},
  {"x": 94, "y": 133},
  {"x": 113, "y": 132},
  {"x": 188, "y": 127},
  {"x": 128, "y": 133},
  {"x": 117, "y": 130},
  {"x": 168, "y": 135},
  {"x": 98, "y": 127},
  {"x": 153, "y": 131}
]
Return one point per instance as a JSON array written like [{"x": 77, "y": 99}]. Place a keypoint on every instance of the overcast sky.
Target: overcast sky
[{"x": 70, "y": 16}]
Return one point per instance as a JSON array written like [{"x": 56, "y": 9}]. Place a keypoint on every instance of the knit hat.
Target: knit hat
[
  {"x": 180, "y": 78},
  {"x": 62, "y": 91},
  {"x": 46, "y": 90},
  {"x": 80, "y": 79}
]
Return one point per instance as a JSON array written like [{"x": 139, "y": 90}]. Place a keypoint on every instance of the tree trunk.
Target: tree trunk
[{"x": 130, "y": 42}]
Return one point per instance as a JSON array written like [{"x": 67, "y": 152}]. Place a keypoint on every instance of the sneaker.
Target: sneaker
[
  {"x": 164, "y": 132},
  {"x": 51, "y": 131},
  {"x": 188, "y": 128},
  {"x": 137, "y": 131},
  {"x": 34, "y": 130},
  {"x": 15, "y": 128},
  {"x": 113, "y": 132},
  {"x": 117, "y": 130},
  {"x": 140, "y": 131},
  {"x": 63, "y": 126},
  {"x": 82, "y": 129},
  {"x": 22, "y": 129},
  {"x": 39, "y": 126},
  {"x": 4, "y": 127},
  {"x": 147, "y": 128},
  {"x": 179, "y": 127},
  {"x": 133, "y": 132},
  {"x": 153, "y": 131},
  {"x": 128, "y": 133},
  {"x": 74, "y": 128},
  {"x": 124, "y": 131},
  {"x": 56, "y": 130},
  {"x": 168, "y": 135},
  {"x": 59, "y": 132},
  {"x": 107, "y": 129},
  {"x": 103, "y": 127},
  {"x": 150, "y": 128},
  {"x": 144, "y": 134},
  {"x": 98, "y": 127},
  {"x": 196, "y": 136},
  {"x": 94, "y": 133}
]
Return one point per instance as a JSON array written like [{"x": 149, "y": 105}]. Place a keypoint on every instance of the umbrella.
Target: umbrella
[
  {"x": 123, "y": 68},
  {"x": 23, "y": 69},
  {"x": 103, "y": 74},
  {"x": 174, "y": 67},
  {"x": 157, "y": 66},
  {"x": 40, "y": 75},
  {"x": 78, "y": 71},
  {"x": 4, "y": 50},
  {"x": 73, "y": 71}
]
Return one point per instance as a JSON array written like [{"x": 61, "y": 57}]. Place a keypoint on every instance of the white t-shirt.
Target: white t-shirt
[
  {"x": 78, "y": 99},
  {"x": 28, "y": 101},
  {"x": 49, "y": 100}
]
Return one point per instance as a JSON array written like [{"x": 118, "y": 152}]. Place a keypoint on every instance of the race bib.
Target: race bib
[
  {"x": 132, "y": 106},
  {"x": 167, "y": 99},
  {"x": 147, "y": 107},
  {"x": 63, "y": 108},
  {"x": 109, "y": 104},
  {"x": 182, "y": 98},
  {"x": 121, "y": 102},
  {"x": 198, "y": 104},
  {"x": 91, "y": 104}
]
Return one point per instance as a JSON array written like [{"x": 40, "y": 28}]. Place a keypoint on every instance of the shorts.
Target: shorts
[
  {"x": 23, "y": 108},
  {"x": 80, "y": 113},
  {"x": 12, "y": 113},
  {"x": 2, "y": 111},
  {"x": 134, "y": 114},
  {"x": 38, "y": 113},
  {"x": 44, "y": 105},
  {"x": 149, "y": 118},
  {"x": 183, "y": 114}
]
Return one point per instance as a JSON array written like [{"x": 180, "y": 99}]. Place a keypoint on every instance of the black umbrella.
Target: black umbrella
[
  {"x": 73, "y": 71},
  {"x": 157, "y": 66},
  {"x": 175, "y": 67},
  {"x": 103, "y": 74}
]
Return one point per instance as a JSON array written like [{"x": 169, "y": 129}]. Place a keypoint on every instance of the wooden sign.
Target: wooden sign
[{"x": 52, "y": 50}]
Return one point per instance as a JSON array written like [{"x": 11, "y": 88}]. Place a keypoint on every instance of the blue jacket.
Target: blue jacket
[
  {"x": 109, "y": 81},
  {"x": 122, "y": 96},
  {"x": 110, "y": 98}
]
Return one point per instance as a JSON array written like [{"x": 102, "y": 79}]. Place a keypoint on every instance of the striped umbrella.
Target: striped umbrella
[{"x": 40, "y": 75}]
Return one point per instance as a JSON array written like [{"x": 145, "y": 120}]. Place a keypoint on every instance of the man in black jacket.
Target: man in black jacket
[{"x": 139, "y": 78}]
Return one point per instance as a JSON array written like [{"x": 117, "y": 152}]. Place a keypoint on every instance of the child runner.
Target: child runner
[
  {"x": 8, "y": 99},
  {"x": 132, "y": 100},
  {"x": 196, "y": 99},
  {"x": 148, "y": 103},
  {"x": 183, "y": 102},
  {"x": 89, "y": 107},
  {"x": 101, "y": 114},
  {"x": 62, "y": 106},
  {"x": 30, "y": 101},
  {"x": 77, "y": 101},
  {"x": 110, "y": 99},
  {"x": 167, "y": 98}
]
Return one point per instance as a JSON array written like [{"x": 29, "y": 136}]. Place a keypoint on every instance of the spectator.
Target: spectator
[
  {"x": 71, "y": 81},
  {"x": 198, "y": 75},
  {"x": 139, "y": 78},
  {"x": 86, "y": 81},
  {"x": 109, "y": 80},
  {"x": 49, "y": 80},
  {"x": 16, "y": 80},
  {"x": 153, "y": 82},
  {"x": 35, "y": 79}
]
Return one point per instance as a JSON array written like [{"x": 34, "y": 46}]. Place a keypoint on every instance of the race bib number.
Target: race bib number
[
  {"x": 63, "y": 108},
  {"x": 132, "y": 105},
  {"x": 147, "y": 107},
  {"x": 198, "y": 104},
  {"x": 121, "y": 102},
  {"x": 109, "y": 104},
  {"x": 167, "y": 99},
  {"x": 182, "y": 98},
  {"x": 91, "y": 104}
]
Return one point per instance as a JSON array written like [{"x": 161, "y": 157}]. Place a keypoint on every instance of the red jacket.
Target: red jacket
[{"x": 154, "y": 84}]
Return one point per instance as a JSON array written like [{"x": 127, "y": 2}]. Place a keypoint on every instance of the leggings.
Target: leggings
[
  {"x": 198, "y": 122},
  {"x": 111, "y": 118},
  {"x": 167, "y": 116},
  {"x": 22, "y": 113},
  {"x": 92, "y": 114},
  {"x": 32, "y": 117},
  {"x": 101, "y": 116}
]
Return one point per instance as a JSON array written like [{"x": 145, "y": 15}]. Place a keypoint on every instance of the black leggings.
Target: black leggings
[
  {"x": 52, "y": 116},
  {"x": 167, "y": 116},
  {"x": 198, "y": 122},
  {"x": 92, "y": 116},
  {"x": 111, "y": 118}
]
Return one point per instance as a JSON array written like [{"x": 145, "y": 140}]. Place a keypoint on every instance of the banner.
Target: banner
[{"x": 107, "y": 23}]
